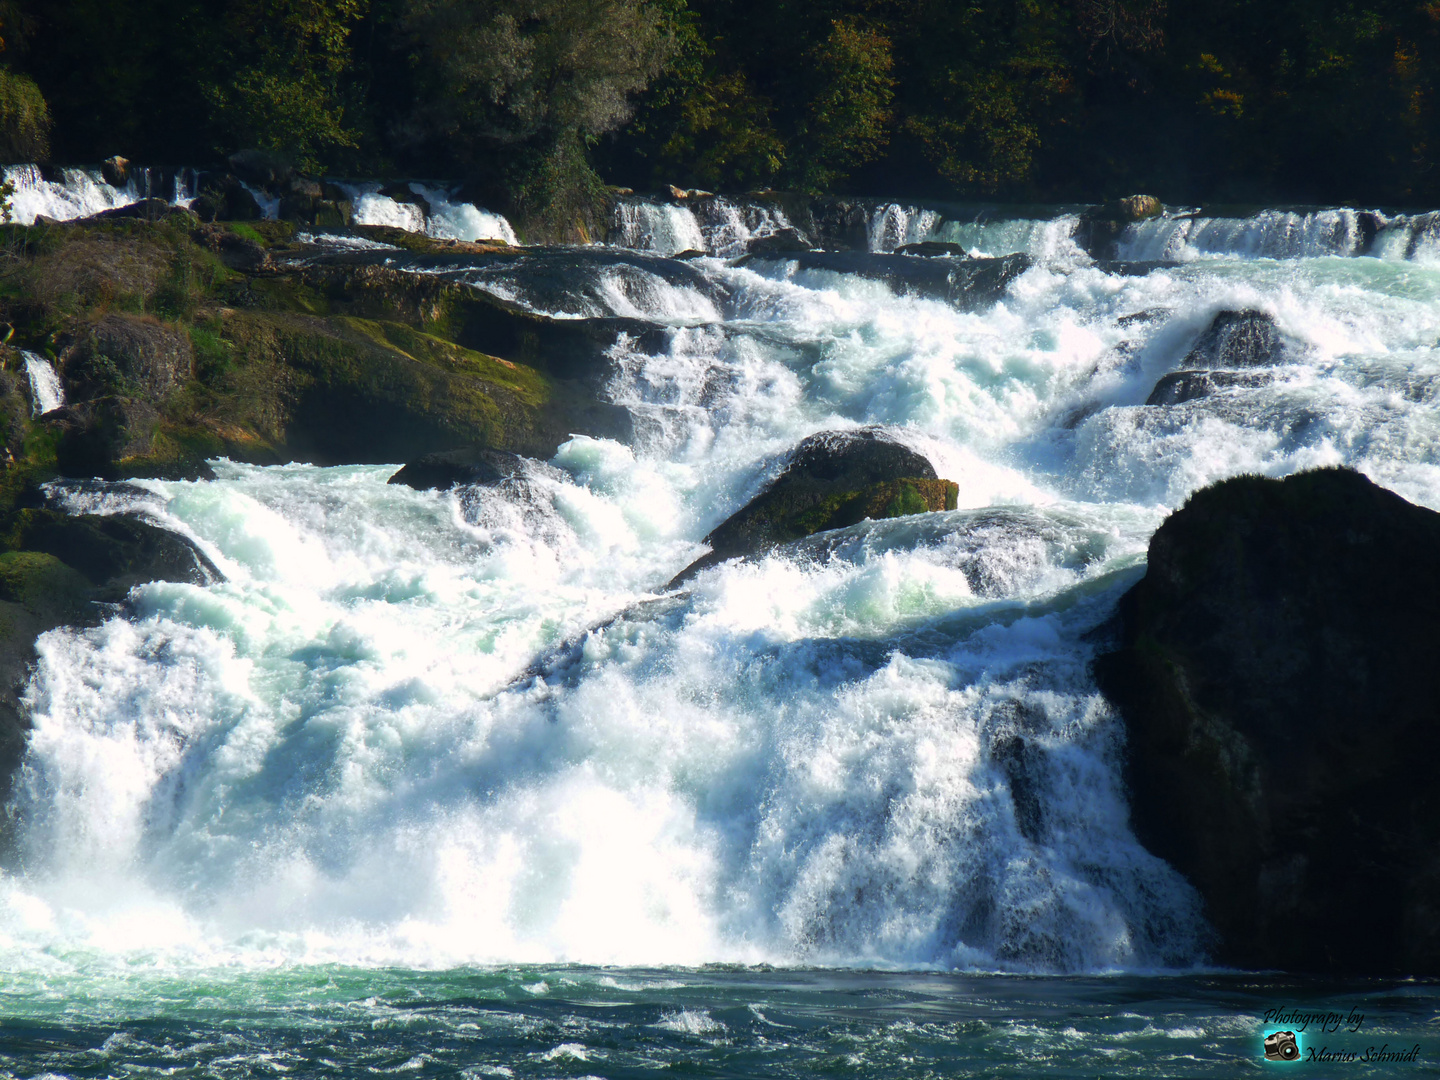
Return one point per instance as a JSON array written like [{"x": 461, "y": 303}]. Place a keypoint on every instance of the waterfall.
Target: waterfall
[
  {"x": 421, "y": 729},
  {"x": 47, "y": 392},
  {"x": 79, "y": 193}
]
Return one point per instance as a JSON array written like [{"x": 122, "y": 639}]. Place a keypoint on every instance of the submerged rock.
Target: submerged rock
[
  {"x": 1275, "y": 675},
  {"x": 451, "y": 468},
  {"x": 780, "y": 241},
  {"x": 934, "y": 249},
  {"x": 1238, "y": 339},
  {"x": 1182, "y": 386},
  {"x": 969, "y": 285},
  {"x": 833, "y": 479}
]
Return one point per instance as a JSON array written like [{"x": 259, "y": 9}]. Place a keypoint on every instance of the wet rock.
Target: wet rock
[
  {"x": 832, "y": 480},
  {"x": 224, "y": 198},
  {"x": 116, "y": 171},
  {"x": 451, "y": 468},
  {"x": 933, "y": 249},
  {"x": 1182, "y": 386},
  {"x": 778, "y": 242},
  {"x": 1101, "y": 227},
  {"x": 1275, "y": 673},
  {"x": 967, "y": 284},
  {"x": 59, "y": 571},
  {"x": 1237, "y": 339},
  {"x": 148, "y": 210},
  {"x": 837, "y": 223}
]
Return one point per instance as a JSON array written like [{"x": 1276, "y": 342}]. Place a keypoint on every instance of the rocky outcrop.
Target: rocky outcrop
[
  {"x": 832, "y": 480},
  {"x": 1101, "y": 227},
  {"x": 1227, "y": 353},
  {"x": 1179, "y": 387},
  {"x": 934, "y": 249},
  {"x": 1275, "y": 676}
]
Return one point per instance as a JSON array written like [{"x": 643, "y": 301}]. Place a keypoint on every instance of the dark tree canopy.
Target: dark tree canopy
[{"x": 535, "y": 101}]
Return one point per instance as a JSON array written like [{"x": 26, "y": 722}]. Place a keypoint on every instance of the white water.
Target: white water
[
  {"x": 82, "y": 192},
  {"x": 386, "y": 737},
  {"x": 445, "y": 220},
  {"x": 715, "y": 225},
  {"x": 47, "y": 392}
]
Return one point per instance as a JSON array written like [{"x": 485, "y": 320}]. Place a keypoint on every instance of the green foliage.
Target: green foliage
[
  {"x": 283, "y": 91},
  {"x": 24, "y": 120},
  {"x": 847, "y": 120},
  {"x": 1315, "y": 100}
]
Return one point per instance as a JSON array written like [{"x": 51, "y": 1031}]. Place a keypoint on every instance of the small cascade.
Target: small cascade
[
  {"x": 1048, "y": 240},
  {"x": 659, "y": 227},
  {"x": 431, "y": 213},
  {"x": 76, "y": 193},
  {"x": 714, "y": 224},
  {"x": 894, "y": 225},
  {"x": 47, "y": 392},
  {"x": 1271, "y": 234}
]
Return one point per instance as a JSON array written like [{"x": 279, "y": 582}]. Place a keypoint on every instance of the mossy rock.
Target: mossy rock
[{"x": 832, "y": 480}]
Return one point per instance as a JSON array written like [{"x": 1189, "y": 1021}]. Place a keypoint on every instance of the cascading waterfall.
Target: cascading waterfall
[
  {"x": 432, "y": 214},
  {"x": 435, "y": 728},
  {"x": 79, "y": 193},
  {"x": 47, "y": 392}
]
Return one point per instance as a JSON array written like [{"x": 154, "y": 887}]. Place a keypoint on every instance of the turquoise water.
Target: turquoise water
[
  {"x": 713, "y": 1022},
  {"x": 361, "y": 805}
]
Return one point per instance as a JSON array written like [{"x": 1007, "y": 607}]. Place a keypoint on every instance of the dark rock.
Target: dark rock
[
  {"x": 1238, "y": 339},
  {"x": 833, "y": 479},
  {"x": 1101, "y": 227},
  {"x": 116, "y": 171},
  {"x": 1181, "y": 386},
  {"x": 225, "y": 198},
  {"x": 837, "y": 223},
  {"x": 451, "y": 468},
  {"x": 1369, "y": 225},
  {"x": 148, "y": 210},
  {"x": 263, "y": 168},
  {"x": 1129, "y": 210},
  {"x": 968, "y": 284},
  {"x": 1275, "y": 675},
  {"x": 778, "y": 242},
  {"x": 934, "y": 249}
]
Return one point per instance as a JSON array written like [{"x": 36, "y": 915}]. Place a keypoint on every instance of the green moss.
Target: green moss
[
  {"x": 39, "y": 582},
  {"x": 245, "y": 232}
]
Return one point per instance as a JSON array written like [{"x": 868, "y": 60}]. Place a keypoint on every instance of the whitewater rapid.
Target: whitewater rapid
[{"x": 428, "y": 729}]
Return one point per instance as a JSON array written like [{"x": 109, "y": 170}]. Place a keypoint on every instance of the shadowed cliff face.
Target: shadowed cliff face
[{"x": 1276, "y": 676}]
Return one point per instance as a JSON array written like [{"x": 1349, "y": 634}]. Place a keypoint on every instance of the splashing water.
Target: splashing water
[
  {"x": 47, "y": 392},
  {"x": 427, "y": 729}
]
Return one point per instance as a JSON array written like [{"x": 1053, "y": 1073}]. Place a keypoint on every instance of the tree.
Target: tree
[
  {"x": 288, "y": 60},
  {"x": 542, "y": 79}
]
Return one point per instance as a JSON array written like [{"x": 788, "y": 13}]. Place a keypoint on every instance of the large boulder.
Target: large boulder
[
  {"x": 1274, "y": 673},
  {"x": 832, "y": 480}
]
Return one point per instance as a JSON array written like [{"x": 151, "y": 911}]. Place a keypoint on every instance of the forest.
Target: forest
[{"x": 542, "y": 104}]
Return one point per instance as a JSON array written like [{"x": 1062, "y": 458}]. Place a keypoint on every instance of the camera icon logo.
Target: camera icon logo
[{"x": 1281, "y": 1046}]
